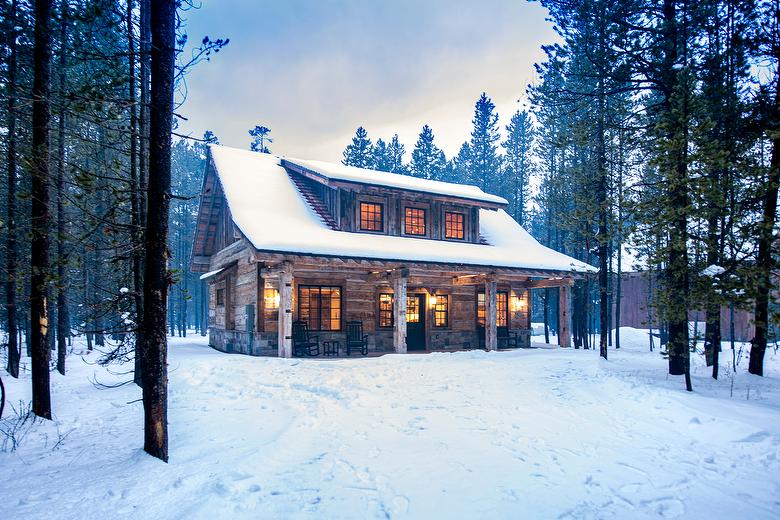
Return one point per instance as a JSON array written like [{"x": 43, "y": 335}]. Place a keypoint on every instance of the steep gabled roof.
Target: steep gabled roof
[{"x": 274, "y": 216}]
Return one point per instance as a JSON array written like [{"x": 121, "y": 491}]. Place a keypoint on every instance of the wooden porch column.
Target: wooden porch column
[
  {"x": 399, "y": 314},
  {"x": 564, "y": 317},
  {"x": 285, "y": 310},
  {"x": 491, "y": 336}
]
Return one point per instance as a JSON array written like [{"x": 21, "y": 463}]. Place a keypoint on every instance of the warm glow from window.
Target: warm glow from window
[
  {"x": 271, "y": 298},
  {"x": 385, "y": 310},
  {"x": 414, "y": 221},
  {"x": 441, "y": 310},
  {"x": 453, "y": 225},
  {"x": 371, "y": 216}
]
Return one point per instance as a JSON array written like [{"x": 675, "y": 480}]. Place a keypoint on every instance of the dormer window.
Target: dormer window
[
  {"x": 414, "y": 221},
  {"x": 454, "y": 228},
  {"x": 371, "y": 216}
]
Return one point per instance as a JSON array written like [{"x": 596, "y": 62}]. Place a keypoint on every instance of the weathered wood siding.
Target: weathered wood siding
[{"x": 245, "y": 291}]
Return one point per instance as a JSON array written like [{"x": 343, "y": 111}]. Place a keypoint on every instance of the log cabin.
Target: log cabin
[{"x": 422, "y": 265}]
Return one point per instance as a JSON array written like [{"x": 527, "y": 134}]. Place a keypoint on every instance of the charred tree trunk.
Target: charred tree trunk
[
  {"x": 41, "y": 216},
  {"x": 14, "y": 352},
  {"x": 156, "y": 279}
]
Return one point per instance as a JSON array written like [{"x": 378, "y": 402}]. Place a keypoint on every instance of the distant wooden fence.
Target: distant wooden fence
[{"x": 635, "y": 310}]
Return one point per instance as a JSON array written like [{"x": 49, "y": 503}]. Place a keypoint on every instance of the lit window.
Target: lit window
[
  {"x": 412, "y": 309},
  {"x": 371, "y": 216},
  {"x": 453, "y": 225},
  {"x": 441, "y": 310},
  {"x": 320, "y": 307},
  {"x": 414, "y": 221},
  {"x": 385, "y": 310},
  {"x": 502, "y": 311}
]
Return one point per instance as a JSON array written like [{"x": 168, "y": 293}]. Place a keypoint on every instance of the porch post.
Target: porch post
[
  {"x": 399, "y": 314},
  {"x": 564, "y": 317},
  {"x": 490, "y": 315},
  {"x": 285, "y": 310}
]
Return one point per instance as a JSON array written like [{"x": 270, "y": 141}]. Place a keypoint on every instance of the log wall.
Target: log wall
[{"x": 232, "y": 329}]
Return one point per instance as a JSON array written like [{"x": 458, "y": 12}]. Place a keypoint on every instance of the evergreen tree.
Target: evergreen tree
[
  {"x": 260, "y": 136},
  {"x": 360, "y": 152},
  {"x": 379, "y": 156},
  {"x": 428, "y": 161},
  {"x": 519, "y": 164},
  {"x": 485, "y": 163},
  {"x": 395, "y": 156}
]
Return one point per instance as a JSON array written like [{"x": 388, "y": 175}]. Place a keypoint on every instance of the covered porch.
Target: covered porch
[{"x": 402, "y": 308}]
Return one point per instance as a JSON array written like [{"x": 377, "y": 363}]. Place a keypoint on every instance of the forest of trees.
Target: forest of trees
[
  {"x": 654, "y": 127},
  {"x": 99, "y": 204}
]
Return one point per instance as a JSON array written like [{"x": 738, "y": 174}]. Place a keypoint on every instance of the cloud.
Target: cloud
[{"x": 315, "y": 71}]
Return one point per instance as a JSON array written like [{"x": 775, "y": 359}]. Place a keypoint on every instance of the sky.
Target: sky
[{"x": 313, "y": 71}]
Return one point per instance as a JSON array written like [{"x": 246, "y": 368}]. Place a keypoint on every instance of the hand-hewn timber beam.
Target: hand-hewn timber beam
[
  {"x": 564, "y": 317},
  {"x": 390, "y": 274},
  {"x": 399, "y": 314},
  {"x": 491, "y": 334},
  {"x": 549, "y": 282},
  {"x": 285, "y": 310},
  {"x": 470, "y": 279}
]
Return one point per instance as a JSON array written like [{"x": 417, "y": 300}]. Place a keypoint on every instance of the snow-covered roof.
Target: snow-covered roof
[
  {"x": 269, "y": 210},
  {"x": 340, "y": 172}
]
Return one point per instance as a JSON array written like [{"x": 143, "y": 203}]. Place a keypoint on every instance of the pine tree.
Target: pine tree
[
  {"x": 395, "y": 156},
  {"x": 379, "y": 156},
  {"x": 428, "y": 161},
  {"x": 519, "y": 164},
  {"x": 485, "y": 163},
  {"x": 360, "y": 152},
  {"x": 260, "y": 136}
]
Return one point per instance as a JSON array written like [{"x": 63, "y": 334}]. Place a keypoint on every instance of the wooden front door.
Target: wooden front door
[{"x": 415, "y": 322}]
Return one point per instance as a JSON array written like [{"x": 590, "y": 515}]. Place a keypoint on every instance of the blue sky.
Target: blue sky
[{"x": 313, "y": 71}]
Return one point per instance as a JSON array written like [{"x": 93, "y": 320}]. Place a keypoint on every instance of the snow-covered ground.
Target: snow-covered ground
[{"x": 540, "y": 433}]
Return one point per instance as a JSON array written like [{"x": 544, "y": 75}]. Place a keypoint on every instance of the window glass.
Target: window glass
[
  {"x": 371, "y": 216},
  {"x": 414, "y": 221},
  {"x": 502, "y": 309},
  {"x": 441, "y": 310},
  {"x": 453, "y": 225},
  {"x": 385, "y": 310},
  {"x": 320, "y": 307}
]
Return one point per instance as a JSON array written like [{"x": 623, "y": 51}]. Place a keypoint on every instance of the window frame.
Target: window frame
[
  {"x": 220, "y": 296},
  {"x": 368, "y": 199},
  {"x": 380, "y": 310},
  {"x": 436, "y": 310},
  {"x": 483, "y": 323},
  {"x": 425, "y": 212},
  {"x": 463, "y": 225},
  {"x": 467, "y": 217},
  {"x": 319, "y": 287}
]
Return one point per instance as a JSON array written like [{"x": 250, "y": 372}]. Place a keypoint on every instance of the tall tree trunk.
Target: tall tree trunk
[
  {"x": 135, "y": 197},
  {"x": 603, "y": 239},
  {"x": 41, "y": 216},
  {"x": 156, "y": 279},
  {"x": 677, "y": 185},
  {"x": 14, "y": 352},
  {"x": 764, "y": 261},
  {"x": 63, "y": 318}
]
